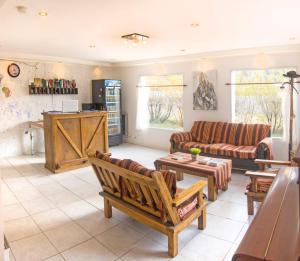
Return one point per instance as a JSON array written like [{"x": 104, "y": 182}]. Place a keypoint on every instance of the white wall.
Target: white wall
[
  {"x": 17, "y": 110},
  {"x": 224, "y": 65}
]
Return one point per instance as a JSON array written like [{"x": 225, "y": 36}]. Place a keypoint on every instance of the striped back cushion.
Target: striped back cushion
[
  {"x": 251, "y": 134},
  {"x": 204, "y": 131},
  {"x": 169, "y": 177},
  {"x": 225, "y": 133}
]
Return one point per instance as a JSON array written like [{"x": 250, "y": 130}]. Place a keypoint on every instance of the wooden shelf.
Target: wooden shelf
[{"x": 55, "y": 91}]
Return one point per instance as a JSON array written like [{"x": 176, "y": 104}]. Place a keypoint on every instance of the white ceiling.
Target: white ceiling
[{"x": 72, "y": 25}]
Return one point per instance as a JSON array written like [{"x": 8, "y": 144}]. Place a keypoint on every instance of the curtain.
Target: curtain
[{"x": 142, "y": 120}]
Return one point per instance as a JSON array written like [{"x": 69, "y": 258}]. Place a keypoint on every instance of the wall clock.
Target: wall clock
[{"x": 13, "y": 70}]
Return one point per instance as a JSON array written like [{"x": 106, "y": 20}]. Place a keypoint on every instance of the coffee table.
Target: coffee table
[{"x": 218, "y": 177}]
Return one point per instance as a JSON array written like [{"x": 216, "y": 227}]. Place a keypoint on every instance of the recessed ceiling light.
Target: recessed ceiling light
[
  {"x": 182, "y": 50},
  {"x": 194, "y": 25},
  {"x": 21, "y": 9},
  {"x": 292, "y": 38},
  {"x": 92, "y": 46},
  {"x": 43, "y": 13}
]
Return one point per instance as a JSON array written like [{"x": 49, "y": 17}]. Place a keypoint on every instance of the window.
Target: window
[
  {"x": 260, "y": 103},
  {"x": 160, "y": 102}
]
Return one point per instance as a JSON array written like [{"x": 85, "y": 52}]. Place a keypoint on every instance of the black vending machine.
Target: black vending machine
[{"x": 107, "y": 94}]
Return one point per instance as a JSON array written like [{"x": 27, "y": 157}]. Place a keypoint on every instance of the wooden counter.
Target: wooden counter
[{"x": 69, "y": 135}]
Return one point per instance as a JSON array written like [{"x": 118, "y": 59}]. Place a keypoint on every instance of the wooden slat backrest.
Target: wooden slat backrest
[{"x": 149, "y": 194}]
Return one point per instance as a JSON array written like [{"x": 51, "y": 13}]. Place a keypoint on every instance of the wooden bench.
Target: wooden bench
[
  {"x": 274, "y": 232},
  {"x": 150, "y": 202}
]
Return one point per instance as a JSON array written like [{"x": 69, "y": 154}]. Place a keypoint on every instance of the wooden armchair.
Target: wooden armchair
[
  {"x": 148, "y": 198},
  {"x": 261, "y": 181}
]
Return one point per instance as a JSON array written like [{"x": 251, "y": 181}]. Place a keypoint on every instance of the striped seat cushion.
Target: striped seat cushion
[
  {"x": 251, "y": 134},
  {"x": 263, "y": 185},
  {"x": 186, "y": 146},
  {"x": 221, "y": 149},
  {"x": 204, "y": 131},
  {"x": 240, "y": 152}
]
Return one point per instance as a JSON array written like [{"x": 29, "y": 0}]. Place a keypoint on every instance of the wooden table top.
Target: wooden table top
[{"x": 189, "y": 164}]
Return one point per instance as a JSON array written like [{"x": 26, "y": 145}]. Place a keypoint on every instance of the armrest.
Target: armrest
[
  {"x": 258, "y": 174},
  {"x": 189, "y": 192},
  {"x": 264, "y": 149},
  {"x": 181, "y": 136},
  {"x": 273, "y": 162}
]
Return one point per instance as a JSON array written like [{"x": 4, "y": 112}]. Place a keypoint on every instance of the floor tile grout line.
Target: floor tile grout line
[
  {"x": 237, "y": 221},
  {"x": 239, "y": 233},
  {"x": 227, "y": 252},
  {"x": 42, "y": 232},
  {"x": 121, "y": 221},
  {"x": 71, "y": 220}
]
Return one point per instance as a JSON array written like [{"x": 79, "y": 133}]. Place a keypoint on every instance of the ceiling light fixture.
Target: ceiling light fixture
[
  {"x": 194, "y": 25},
  {"x": 292, "y": 38},
  {"x": 92, "y": 46},
  {"x": 135, "y": 39},
  {"x": 43, "y": 13}
]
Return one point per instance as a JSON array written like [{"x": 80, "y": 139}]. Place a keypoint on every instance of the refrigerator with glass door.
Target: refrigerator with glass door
[{"x": 107, "y": 94}]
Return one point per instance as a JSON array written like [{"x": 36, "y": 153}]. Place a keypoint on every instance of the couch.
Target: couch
[{"x": 243, "y": 143}]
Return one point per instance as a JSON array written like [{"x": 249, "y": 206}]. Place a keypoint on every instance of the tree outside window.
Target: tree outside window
[
  {"x": 162, "y": 96},
  {"x": 261, "y": 103}
]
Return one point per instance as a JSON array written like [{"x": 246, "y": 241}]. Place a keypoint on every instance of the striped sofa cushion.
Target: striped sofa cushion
[
  {"x": 186, "y": 146},
  {"x": 225, "y": 133},
  {"x": 204, "y": 131},
  {"x": 221, "y": 149},
  {"x": 251, "y": 134},
  {"x": 240, "y": 152}
]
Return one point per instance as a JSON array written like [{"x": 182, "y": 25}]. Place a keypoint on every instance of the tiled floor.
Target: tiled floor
[{"x": 60, "y": 217}]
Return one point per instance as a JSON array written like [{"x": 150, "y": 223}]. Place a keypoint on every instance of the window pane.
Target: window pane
[
  {"x": 261, "y": 103},
  {"x": 164, "y": 101}
]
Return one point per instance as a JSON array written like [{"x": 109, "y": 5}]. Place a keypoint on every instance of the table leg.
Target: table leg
[
  {"x": 179, "y": 175},
  {"x": 225, "y": 187},
  {"x": 212, "y": 193}
]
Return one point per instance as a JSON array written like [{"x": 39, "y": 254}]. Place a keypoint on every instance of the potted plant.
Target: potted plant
[{"x": 194, "y": 152}]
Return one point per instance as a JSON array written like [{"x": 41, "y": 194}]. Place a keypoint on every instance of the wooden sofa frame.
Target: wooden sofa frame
[
  {"x": 253, "y": 194},
  {"x": 155, "y": 191}
]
